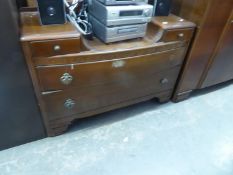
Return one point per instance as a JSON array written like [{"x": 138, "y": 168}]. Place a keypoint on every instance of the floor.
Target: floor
[{"x": 194, "y": 137}]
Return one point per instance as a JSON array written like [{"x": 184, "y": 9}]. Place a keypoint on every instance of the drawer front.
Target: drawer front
[
  {"x": 99, "y": 73},
  {"x": 80, "y": 100},
  {"x": 55, "y": 47},
  {"x": 178, "y": 34},
  {"x": 101, "y": 54}
]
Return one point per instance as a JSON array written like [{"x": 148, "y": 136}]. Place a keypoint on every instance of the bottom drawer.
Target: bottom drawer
[{"x": 80, "y": 100}]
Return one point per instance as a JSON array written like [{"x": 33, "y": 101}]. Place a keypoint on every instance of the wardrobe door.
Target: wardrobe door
[{"x": 221, "y": 67}]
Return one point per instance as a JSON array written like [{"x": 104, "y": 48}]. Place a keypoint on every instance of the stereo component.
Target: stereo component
[
  {"x": 154, "y": 4},
  {"x": 163, "y": 7},
  {"x": 123, "y": 2},
  {"x": 121, "y": 15},
  {"x": 51, "y": 11},
  {"x": 117, "y": 33}
]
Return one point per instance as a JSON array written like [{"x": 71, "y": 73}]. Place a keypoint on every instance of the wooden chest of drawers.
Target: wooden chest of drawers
[{"x": 76, "y": 78}]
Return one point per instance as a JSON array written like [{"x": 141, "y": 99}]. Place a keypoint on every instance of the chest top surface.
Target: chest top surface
[{"x": 31, "y": 29}]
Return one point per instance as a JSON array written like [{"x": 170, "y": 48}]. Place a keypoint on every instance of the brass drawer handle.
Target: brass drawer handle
[
  {"x": 164, "y": 81},
  {"x": 66, "y": 79},
  {"x": 69, "y": 104},
  {"x": 118, "y": 64},
  {"x": 57, "y": 48}
]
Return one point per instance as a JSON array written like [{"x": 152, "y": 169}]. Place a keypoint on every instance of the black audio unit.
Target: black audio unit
[
  {"x": 51, "y": 11},
  {"x": 163, "y": 7}
]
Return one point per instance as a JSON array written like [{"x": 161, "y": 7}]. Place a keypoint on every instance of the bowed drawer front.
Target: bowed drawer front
[{"x": 106, "y": 72}]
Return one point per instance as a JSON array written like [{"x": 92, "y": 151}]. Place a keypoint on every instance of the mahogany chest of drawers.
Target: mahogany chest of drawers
[{"x": 75, "y": 78}]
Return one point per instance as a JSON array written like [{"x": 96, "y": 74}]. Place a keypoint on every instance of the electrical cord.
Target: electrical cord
[{"x": 79, "y": 17}]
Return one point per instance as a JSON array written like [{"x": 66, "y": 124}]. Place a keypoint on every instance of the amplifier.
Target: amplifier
[
  {"x": 121, "y": 15},
  {"x": 123, "y": 2},
  {"x": 117, "y": 33},
  {"x": 51, "y": 11}
]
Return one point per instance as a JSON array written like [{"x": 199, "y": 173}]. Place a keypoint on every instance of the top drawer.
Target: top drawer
[
  {"x": 55, "y": 47},
  {"x": 178, "y": 34}
]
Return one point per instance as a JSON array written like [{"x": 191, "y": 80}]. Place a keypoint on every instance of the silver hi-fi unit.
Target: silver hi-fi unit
[
  {"x": 121, "y": 15},
  {"x": 117, "y": 33},
  {"x": 123, "y": 2}
]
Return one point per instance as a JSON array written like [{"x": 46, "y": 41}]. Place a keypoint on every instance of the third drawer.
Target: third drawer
[{"x": 80, "y": 100}]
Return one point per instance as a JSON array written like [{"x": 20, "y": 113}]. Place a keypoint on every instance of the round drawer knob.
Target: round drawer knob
[
  {"x": 66, "y": 79},
  {"x": 69, "y": 104},
  {"x": 164, "y": 81},
  {"x": 181, "y": 35},
  {"x": 57, "y": 48}
]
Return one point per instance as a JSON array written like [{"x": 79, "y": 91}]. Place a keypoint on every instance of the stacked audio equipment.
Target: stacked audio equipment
[{"x": 117, "y": 20}]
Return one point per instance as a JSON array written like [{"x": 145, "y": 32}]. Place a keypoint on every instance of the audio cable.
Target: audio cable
[{"x": 77, "y": 14}]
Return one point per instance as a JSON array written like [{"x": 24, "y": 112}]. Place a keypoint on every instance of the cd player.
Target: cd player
[
  {"x": 117, "y": 33},
  {"x": 122, "y": 2},
  {"x": 121, "y": 15}
]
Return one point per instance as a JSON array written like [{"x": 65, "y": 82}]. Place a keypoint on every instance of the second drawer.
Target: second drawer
[{"x": 107, "y": 71}]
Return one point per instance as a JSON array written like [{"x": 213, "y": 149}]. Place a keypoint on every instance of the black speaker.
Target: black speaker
[
  {"x": 163, "y": 7},
  {"x": 51, "y": 11}
]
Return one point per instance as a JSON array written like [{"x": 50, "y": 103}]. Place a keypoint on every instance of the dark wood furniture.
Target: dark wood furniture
[
  {"x": 31, "y": 3},
  {"x": 210, "y": 58},
  {"x": 75, "y": 78}
]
